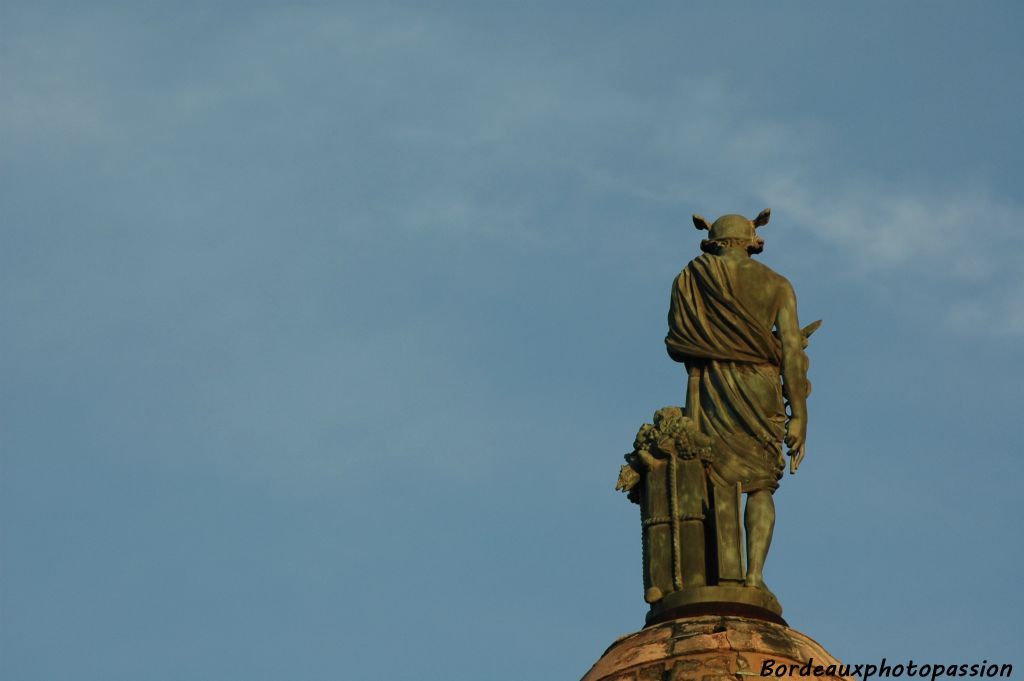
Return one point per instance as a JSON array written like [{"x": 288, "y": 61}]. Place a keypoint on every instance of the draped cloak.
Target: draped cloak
[{"x": 738, "y": 357}]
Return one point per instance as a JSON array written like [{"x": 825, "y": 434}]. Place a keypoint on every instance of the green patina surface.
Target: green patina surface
[{"x": 733, "y": 324}]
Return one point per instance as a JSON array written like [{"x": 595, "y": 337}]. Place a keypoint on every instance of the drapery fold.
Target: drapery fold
[{"x": 741, "y": 403}]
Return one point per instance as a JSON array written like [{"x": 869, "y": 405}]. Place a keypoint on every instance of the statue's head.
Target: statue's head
[{"x": 733, "y": 231}]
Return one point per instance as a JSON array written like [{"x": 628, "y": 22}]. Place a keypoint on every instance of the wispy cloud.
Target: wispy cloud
[
  {"x": 233, "y": 186},
  {"x": 963, "y": 241}
]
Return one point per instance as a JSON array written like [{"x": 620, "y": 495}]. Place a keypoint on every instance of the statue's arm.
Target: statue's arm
[{"x": 794, "y": 374}]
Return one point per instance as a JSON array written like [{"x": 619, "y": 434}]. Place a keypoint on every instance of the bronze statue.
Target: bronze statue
[{"x": 733, "y": 324}]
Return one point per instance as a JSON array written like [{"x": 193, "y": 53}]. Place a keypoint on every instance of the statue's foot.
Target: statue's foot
[
  {"x": 653, "y": 595},
  {"x": 756, "y": 581}
]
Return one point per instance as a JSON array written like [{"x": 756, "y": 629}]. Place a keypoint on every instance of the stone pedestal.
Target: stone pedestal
[{"x": 712, "y": 648}]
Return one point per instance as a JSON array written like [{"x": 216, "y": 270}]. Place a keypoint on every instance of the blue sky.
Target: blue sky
[{"x": 327, "y": 325}]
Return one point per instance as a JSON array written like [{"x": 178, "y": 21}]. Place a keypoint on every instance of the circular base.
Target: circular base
[
  {"x": 719, "y": 648},
  {"x": 740, "y": 601}
]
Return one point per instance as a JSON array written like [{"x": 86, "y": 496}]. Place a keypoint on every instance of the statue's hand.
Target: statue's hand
[{"x": 796, "y": 438}]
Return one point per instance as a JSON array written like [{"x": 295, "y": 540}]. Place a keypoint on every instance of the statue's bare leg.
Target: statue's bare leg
[{"x": 759, "y": 520}]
